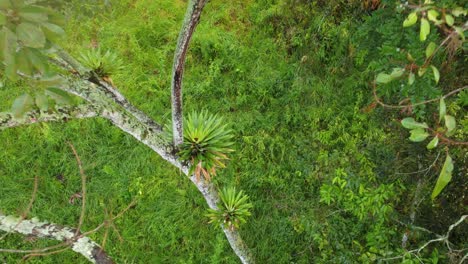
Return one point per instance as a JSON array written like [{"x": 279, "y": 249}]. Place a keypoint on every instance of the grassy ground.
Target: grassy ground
[{"x": 298, "y": 122}]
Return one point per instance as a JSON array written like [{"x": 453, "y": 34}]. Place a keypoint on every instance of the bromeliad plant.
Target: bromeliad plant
[
  {"x": 233, "y": 210},
  {"x": 207, "y": 141},
  {"x": 104, "y": 64}
]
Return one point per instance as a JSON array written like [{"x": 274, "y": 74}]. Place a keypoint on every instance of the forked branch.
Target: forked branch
[{"x": 192, "y": 17}]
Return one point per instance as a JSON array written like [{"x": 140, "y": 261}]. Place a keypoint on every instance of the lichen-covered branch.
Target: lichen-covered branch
[
  {"x": 192, "y": 17},
  {"x": 78, "y": 243},
  {"x": 62, "y": 114},
  {"x": 67, "y": 62}
]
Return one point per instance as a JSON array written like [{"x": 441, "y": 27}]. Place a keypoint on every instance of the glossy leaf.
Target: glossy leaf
[
  {"x": 459, "y": 11},
  {"x": 410, "y": 123},
  {"x": 24, "y": 66},
  {"x": 445, "y": 177},
  {"x": 3, "y": 19},
  {"x": 422, "y": 71},
  {"x": 52, "y": 31},
  {"x": 42, "y": 102},
  {"x": 430, "y": 49},
  {"x": 442, "y": 109},
  {"x": 410, "y": 20},
  {"x": 432, "y": 15},
  {"x": 436, "y": 73},
  {"x": 383, "y": 78},
  {"x": 4, "y": 4},
  {"x": 425, "y": 29},
  {"x": 31, "y": 35},
  {"x": 449, "y": 20},
  {"x": 33, "y": 14},
  {"x": 418, "y": 135},
  {"x": 411, "y": 78},
  {"x": 460, "y": 32},
  {"x": 450, "y": 122},
  {"x": 397, "y": 73},
  {"x": 433, "y": 143},
  {"x": 21, "y": 105},
  {"x": 9, "y": 45}
]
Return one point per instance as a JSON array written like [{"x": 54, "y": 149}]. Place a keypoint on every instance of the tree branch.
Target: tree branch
[
  {"x": 62, "y": 114},
  {"x": 192, "y": 17},
  {"x": 81, "y": 244},
  {"x": 65, "y": 61}
]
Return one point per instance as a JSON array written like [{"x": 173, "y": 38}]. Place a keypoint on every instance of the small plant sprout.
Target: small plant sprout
[
  {"x": 233, "y": 209},
  {"x": 207, "y": 142},
  {"x": 104, "y": 64}
]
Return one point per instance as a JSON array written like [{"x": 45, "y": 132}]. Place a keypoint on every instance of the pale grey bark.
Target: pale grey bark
[
  {"x": 78, "y": 243},
  {"x": 61, "y": 114},
  {"x": 192, "y": 17}
]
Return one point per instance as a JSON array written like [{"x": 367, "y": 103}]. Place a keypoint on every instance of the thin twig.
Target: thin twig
[
  {"x": 377, "y": 99},
  {"x": 444, "y": 239},
  {"x": 83, "y": 188}
]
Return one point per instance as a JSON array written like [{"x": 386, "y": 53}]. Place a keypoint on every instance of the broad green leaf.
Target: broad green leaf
[
  {"x": 409, "y": 57},
  {"x": 458, "y": 11},
  {"x": 422, "y": 71},
  {"x": 24, "y": 66},
  {"x": 9, "y": 45},
  {"x": 38, "y": 61},
  {"x": 430, "y": 49},
  {"x": 444, "y": 177},
  {"x": 411, "y": 78},
  {"x": 410, "y": 123},
  {"x": 5, "y": 4},
  {"x": 383, "y": 78},
  {"x": 31, "y": 35},
  {"x": 3, "y": 19},
  {"x": 21, "y": 105},
  {"x": 449, "y": 20},
  {"x": 17, "y": 3},
  {"x": 433, "y": 143},
  {"x": 442, "y": 109},
  {"x": 450, "y": 122},
  {"x": 410, "y": 20},
  {"x": 432, "y": 15},
  {"x": 460, "y": 32},
  {"x": 425, "y": 29},
  {"x": 60, "y": 96},
  {"x": 52, "y": 31},
  {"x": 42, "y": 102},
  {"x": 418, "y": 135},
  {"x": 436, "y": 73},
  {"x": 34, "y": 14},
  {"x": 397, "y": 73}
]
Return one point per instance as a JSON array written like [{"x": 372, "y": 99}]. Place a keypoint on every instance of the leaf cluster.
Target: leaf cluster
[
  {"x": 26, "y": 31},
  {"x": 233, "y": 210},
  {"x": 104, "y": 64},
  {"x": 207, "y": 141}
]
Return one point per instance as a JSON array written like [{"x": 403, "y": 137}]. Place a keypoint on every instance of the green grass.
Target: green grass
[{"x": 298, "y": 124}]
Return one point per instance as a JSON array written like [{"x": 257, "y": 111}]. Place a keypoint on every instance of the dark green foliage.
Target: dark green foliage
[
  {"x": 233, "y": 209},
  {"x": 207, "y": 141},
  {"x": 26, "y": 30},
  {"x": 324, "y": 169},
  {"x": 104, "y": 64}
]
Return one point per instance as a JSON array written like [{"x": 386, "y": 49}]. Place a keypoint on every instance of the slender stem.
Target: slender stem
[
  {"x": 377, "y": 99},
  {"x": 83, "y": 188},
  {"x": 192, "y": 17}
]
